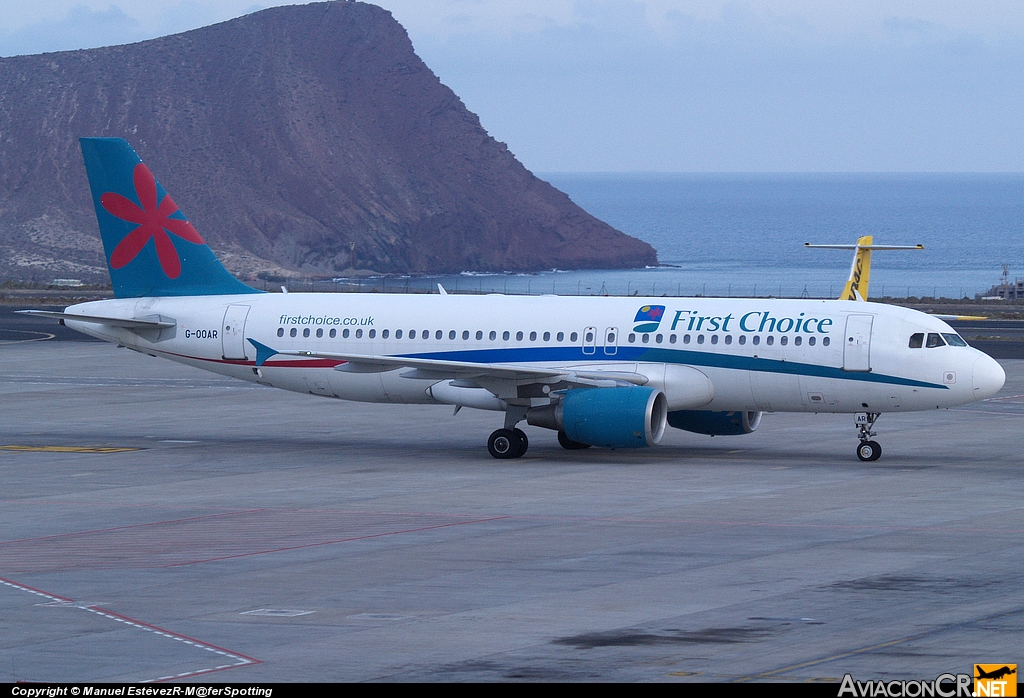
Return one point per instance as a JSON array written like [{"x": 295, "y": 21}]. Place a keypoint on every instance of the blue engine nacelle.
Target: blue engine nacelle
[
  {"x": 627, "y": 417},
  {"x": 715, "y": 423}
]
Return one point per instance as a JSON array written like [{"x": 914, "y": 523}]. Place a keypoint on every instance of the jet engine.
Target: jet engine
[
  {"x": 715, "y": 423},
  {"x": 625, "y": 417}
]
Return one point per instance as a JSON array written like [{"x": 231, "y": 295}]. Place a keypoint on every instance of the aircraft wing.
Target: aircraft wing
[
  {"x": 437, "y": 369},
  {"x": 151, "y": 322}
]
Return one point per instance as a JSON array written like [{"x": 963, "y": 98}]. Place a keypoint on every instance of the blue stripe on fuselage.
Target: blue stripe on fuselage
[{"x": 668, "y": 356}]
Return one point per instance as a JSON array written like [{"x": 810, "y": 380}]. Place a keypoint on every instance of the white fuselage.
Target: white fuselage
[{"x": 759, "y": 354}]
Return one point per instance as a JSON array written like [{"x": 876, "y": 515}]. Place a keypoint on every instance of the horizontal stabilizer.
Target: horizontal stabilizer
[
  {"x": 863, "y": 247},
  {"x": 153, "y": 322}
]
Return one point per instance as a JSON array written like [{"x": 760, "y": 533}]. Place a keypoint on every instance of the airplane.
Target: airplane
[
  {"x": 856, "y": 288},
  {"x": 995, "y": 674},
  {"x": 600, "y": 371}
]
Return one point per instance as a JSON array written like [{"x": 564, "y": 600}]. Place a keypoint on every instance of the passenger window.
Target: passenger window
[
  {"x": 479, "y": 335},
  {"x": 825, "y": 341},
  {"x": 425, "y": 334},
  {"x": 611, "y": 338},
  {"x": 671, "y": 339},
  {"x": 493, "y": 335},
  {"x": 783, "y": 340},
  {"x": 439, "y": 334},
  {"x": 547, "y": 336},
  {"x": 505, "y": 335},
  {"x": 574, "y": 336},
  {"x": 631, "y": 338},
  {"x": 412, "y": 334},
  {"x": 798, "y": 340},
  {"x": 700, "y": 339},
  {"x": 344, "y": 334},
  {"x": 280, "y": 332},
  {"x": 372, "y": 334},
  {"x": 384, "y": 334},
  {"x": 645, "y": 338},
  {"x": 714, "y": 339},
  {"x": 305, "y": 332},
  {"x": 934, "y": 340},
  {"x": 728, "y": 339},
  {"x": 465, "y": 334},
  {"x": 560, "y": 336},
  {"x": 319, "y": 332},
  {"x": 686, "y": 339},
  {"x": 917, "y": 340},
  {"x": 743, "y": 339},
  {"x": 334, "y": 333},
  {"x": 811, "y": 341},
  {"x": 659, "y": 338},
  {"x": 359, "y": 334},
  {"x": 519, "y": 336},
  {"x": 770, "y": 340},
  {"x": 293, "y": 332},
  {"x": 590, "y": 337},
  {"x": 398, "y": 334},
  {"x": 756, "y": 340},
  {"x": 451, "y": 334},
  {"x": 533, "y": 336}
]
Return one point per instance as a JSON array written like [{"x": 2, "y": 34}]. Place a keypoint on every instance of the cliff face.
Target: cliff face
[{"x": 285, "y": 136}]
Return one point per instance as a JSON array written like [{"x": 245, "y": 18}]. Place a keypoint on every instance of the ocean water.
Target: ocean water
[{"x": 743, "y": 234}]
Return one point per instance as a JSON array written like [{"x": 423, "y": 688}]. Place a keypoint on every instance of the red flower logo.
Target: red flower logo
[{"x": 154, "y": 222}]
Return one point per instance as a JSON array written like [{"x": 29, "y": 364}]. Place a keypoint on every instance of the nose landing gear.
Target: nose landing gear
[{"x": 867, "y": 450}]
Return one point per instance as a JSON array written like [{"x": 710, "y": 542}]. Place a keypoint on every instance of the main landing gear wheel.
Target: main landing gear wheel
[
  {"x": 869, "y": 450},
  {"x": 570, "y": 445},
  {"x": 524, "y": 443},
  {"x": 507, "y": 443}
]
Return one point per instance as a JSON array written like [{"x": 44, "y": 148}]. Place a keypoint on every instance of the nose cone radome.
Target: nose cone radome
[{"x": 988, "y": 377}]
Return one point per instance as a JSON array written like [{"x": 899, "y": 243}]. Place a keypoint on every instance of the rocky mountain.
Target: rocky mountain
[{"x": 293, "y": 138}]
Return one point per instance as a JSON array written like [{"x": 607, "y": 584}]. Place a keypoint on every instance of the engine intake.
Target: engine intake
[{"x": 626, "y": 417}]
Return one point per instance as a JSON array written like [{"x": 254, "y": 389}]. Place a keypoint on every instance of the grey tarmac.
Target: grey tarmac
[{"x": 257, "y": 535}]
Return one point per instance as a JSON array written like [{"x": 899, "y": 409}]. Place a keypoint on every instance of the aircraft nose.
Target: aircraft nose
[{"x": 988, "y": 377}]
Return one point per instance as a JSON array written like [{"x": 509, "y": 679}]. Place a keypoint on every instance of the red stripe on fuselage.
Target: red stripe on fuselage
[{"x": 283, "y": 363}]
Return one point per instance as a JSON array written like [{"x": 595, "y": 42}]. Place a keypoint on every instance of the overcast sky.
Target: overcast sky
[{"x": 678, "y": 85}]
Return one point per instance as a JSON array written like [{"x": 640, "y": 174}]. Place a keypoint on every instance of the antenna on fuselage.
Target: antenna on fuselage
[{"x": 856, "y": 288}]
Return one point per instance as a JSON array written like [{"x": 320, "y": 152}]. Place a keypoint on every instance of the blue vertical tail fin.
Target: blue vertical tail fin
[{"x": 151, "y": 248}]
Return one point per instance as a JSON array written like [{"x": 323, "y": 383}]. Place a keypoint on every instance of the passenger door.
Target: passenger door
[
  {"x": 232, "y": 332},
  {"x": 857, "y": 345}
]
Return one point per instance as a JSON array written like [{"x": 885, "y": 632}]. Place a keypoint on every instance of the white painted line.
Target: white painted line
[{"x": 60, "y": 601}]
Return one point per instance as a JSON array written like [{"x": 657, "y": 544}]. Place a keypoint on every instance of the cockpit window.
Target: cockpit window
[
  {"x": 954, "y": 340},
  {"x": 917, "y": 340},
  {"x": 934, "y": 340}
]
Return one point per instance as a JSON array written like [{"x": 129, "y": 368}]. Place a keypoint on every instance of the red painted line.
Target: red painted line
[
  {"x": 245, "y": 660},
  {"x": 131, "y": 526},
  {"x": 33, "y": 590},
  {"x": 204, "y": 643},
  {"x": 333, "y": 542}
]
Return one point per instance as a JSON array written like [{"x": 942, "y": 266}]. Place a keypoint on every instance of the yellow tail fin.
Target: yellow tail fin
[{"x": 856, "y": 288}]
